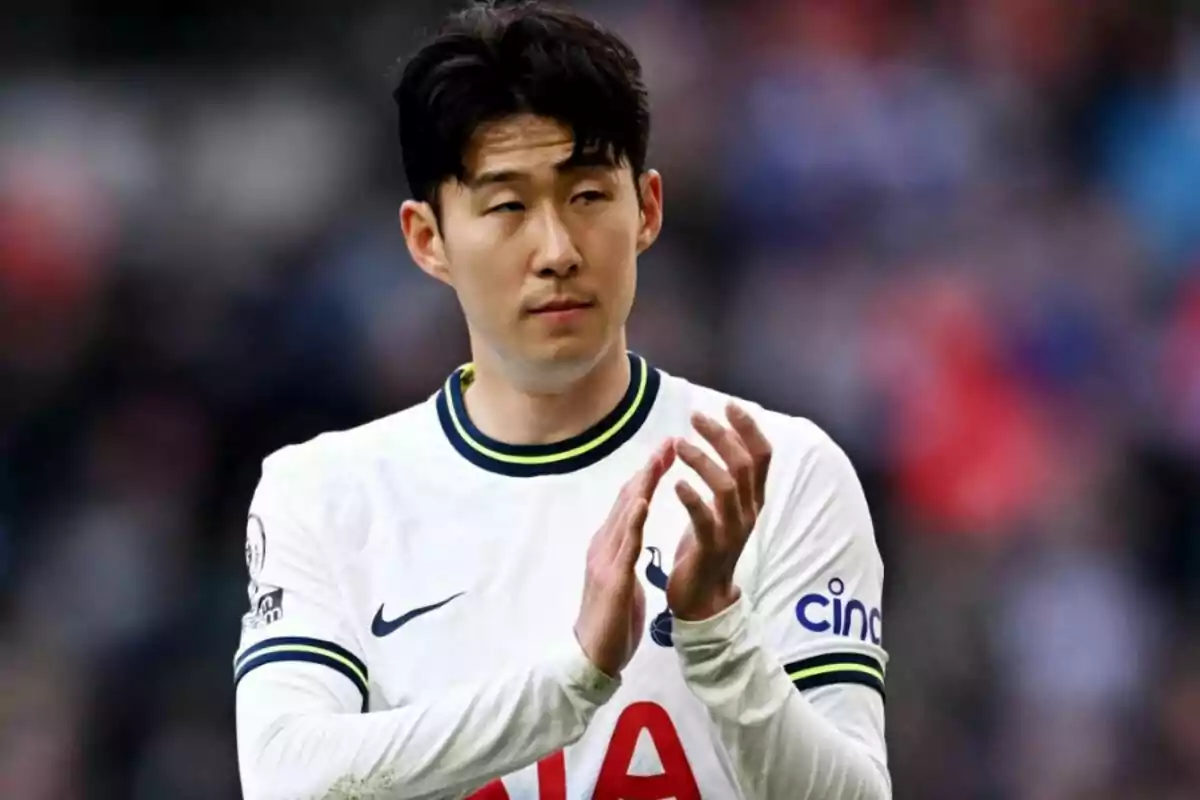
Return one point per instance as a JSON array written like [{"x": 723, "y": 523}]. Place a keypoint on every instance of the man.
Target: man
[{"x": 490, "y": 594}]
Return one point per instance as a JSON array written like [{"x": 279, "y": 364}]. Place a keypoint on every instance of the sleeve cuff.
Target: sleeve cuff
[
  {"x": 721, "y": 627},
  {"x": 587, "y": 686},
  {"x": 726, "y": 667}
]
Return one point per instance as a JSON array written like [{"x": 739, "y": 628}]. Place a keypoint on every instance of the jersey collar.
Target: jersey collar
[{"x": 529, "y": 460}]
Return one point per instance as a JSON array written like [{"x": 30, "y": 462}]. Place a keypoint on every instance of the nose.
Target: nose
[{"x": 555, "y": 254}]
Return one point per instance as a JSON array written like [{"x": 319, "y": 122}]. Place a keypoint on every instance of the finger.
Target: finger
[
  {"x": 635, "y": 524},
  {"x": 619, "y": 505},
  {"x": 643, "y": 480},
  {"x": 728, "y": 445},
  {"x": 640, "y": 486},
  {"x": 661, "y": 461},
  {"x": 704, "y": 521},
  {"x": 607, "y": 539},
  {"x": 724, "y": 488},
  {"x": 756, "y": 445},
  {"x": 618, "y": 509}
]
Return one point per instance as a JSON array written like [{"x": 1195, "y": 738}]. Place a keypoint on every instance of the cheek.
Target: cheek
[
  {"x": 482, "y": 262},
  {"x": 484, "y": 279},
  {"x": 490, "y": 297},
  {"x": 617, "y": 248}
]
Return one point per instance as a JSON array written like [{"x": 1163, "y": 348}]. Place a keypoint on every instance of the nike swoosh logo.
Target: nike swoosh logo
[{"x": 381, "y": 627}]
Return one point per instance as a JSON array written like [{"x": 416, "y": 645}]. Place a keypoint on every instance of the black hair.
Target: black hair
[{"x": 493, "y": 60}]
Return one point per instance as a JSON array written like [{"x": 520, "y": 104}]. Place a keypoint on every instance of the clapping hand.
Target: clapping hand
[{"x": 701, "y": 583}]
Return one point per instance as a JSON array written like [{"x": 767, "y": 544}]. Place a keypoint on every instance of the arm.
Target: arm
[
  {"x": 298, "y": 737},
  {"x": 819, "y": 744},
  {"x": 798, "y": 703},
  {"x": 303, "y": 687}
]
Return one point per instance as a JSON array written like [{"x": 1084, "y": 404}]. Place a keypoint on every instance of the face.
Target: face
[{"x": 541, "y": 251}]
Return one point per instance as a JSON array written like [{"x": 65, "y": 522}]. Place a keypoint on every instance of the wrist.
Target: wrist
[
  {"x": 710, "y": 607},
  {"x": 584, "y": 680},
  {"x": 701, "y": 638},
  {"x": 599, "y": 665}
]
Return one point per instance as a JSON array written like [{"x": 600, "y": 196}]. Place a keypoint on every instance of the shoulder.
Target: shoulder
[
  {"x": 325, "y": 474},
  {"x": 797, "y": 443},
  {"x": 408, "y": 429}
]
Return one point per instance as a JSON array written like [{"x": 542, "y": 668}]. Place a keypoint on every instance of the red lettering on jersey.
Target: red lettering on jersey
[
  {"x": 676, "y": 780},
  {"x": 615, "y": 783},
  {"x": 552, "y": 781},
  {"x": 552, "y": 777},
  {"x": 493, "y": 791}
]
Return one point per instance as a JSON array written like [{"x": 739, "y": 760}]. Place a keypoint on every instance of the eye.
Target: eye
[
  {"x": 510, "y": 206},
  {"x": 591, "y": 196}
]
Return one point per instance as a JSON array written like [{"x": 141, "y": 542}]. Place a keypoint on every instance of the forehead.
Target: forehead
[{"x": 523, "y": 142}]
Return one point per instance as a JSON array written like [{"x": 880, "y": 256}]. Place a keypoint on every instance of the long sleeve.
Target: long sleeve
[
  {"x": 785, "y": 744},
  {"x": 793, "y": 673},
  {"x": 298, "y": 737},
  {"x": 305, "y": 723}
]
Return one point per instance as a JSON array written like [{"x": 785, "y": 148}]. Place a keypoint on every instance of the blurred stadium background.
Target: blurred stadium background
[{"x": 963, "y": 235}]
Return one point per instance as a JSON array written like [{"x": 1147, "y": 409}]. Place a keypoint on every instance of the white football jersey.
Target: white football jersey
[{"x": 414, "y": 565}]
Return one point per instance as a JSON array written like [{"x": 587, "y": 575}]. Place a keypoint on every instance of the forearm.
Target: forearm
[
  {"x": 292, "y": 745},
  {"x": 781, "y": 745}
]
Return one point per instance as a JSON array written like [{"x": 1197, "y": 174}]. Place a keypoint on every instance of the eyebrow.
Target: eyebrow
[{"x": 569, "y": 164}]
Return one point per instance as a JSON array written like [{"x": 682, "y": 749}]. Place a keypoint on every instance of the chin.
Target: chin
[
  {"x": 567, "y": 358},
  {"x": 570, "y": 349}
]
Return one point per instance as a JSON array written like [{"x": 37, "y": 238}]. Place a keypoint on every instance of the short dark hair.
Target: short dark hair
[{"x": 494, "y": 60}]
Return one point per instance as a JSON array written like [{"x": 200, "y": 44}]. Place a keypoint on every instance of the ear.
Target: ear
[
  {"x": 650, "y": 191},
  {"x": 422, "y": 234}
]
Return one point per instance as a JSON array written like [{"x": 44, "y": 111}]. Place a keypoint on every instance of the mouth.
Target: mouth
[{"x": 561, "y": 306}]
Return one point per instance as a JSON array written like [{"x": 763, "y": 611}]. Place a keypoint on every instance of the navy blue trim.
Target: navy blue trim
[
  {"x": 254, "y": 657},
  {"x": 306, "y": 657},
  {"x": 841, "y": 676},
  {"x": 825, "y": 659},
  {"x": 303, "y": 641},
  {"x": 838, "y": 676},
  {"x": 452, "y": 393}
]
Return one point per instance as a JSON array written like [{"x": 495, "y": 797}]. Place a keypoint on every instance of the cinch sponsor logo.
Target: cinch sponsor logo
[{"x": 841, "y": 616}]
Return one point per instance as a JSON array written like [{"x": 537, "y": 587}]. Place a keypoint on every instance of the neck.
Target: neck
[{"x": 509, "y": 413}]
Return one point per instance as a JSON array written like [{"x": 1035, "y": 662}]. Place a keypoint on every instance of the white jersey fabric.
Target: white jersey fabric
[{"x": 414, "y": 586}]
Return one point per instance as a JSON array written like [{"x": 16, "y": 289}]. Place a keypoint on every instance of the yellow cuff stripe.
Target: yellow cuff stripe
[
  {"x": 813, "y": 672},
  {"x": 303, "y": 649},
  {"x": 830, "y": 668}
]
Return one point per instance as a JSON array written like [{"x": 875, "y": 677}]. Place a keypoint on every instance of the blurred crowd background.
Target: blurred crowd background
[{"x": 962, "y": 235}]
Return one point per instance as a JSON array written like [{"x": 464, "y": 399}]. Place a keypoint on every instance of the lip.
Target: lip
[{"x": 561, "y": 306}]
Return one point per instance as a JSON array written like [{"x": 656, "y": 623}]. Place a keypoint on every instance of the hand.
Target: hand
[
  {"x": 701, "y": 583},
  {"x": 613, "y": 613}
]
